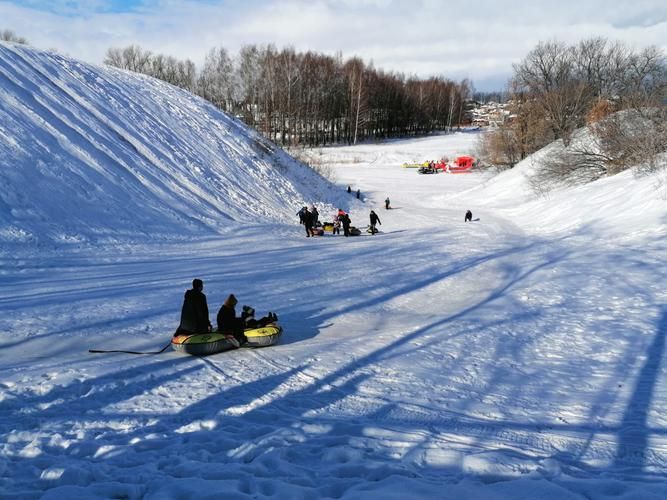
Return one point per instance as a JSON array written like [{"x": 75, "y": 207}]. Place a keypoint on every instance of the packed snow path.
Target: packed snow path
[{"x": 438, "y": 359}]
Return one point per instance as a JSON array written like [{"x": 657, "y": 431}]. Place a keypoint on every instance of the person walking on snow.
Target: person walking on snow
[
  {"x": 374, "y": 221},
  {"x": 386, "y": 203},
  {"x": 308, "y": 221}
]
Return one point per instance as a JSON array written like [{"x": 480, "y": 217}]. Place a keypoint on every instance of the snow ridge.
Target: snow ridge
[{"x": 97, "y": 154}]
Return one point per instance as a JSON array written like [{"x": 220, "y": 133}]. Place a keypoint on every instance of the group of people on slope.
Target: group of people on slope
[
  {"x": 309, "y": 217},
  {"x": 195, "y": 315}
]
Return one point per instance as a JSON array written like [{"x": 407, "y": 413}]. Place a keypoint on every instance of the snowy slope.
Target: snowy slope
[
  {"x": 518, "y": 356},
  {"x": 96, "y": 154}
]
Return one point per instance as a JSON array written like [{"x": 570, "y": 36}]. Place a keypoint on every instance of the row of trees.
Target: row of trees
[
  {"x": 308, "y": 98},
  {"x": 619, "y": 92},
  {"x": 10, "y": 36}
]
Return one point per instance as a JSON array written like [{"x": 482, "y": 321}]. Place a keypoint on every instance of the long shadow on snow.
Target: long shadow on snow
[
  {"x": 634, "y": 434},
  {"x": 295, "y": 405}
]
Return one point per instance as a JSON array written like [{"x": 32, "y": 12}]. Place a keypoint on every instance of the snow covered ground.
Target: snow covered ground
[{"x": 517, "y": 356}]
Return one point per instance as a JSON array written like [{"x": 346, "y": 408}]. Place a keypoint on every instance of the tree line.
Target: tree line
[
  {"x": 618, "y": 92},
  {"x": 10, "y": 36},
  {"x": 297, "y": 98}
]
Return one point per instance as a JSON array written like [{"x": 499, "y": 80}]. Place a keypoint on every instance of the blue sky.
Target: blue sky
[
  {"x": 477, "y": 40},
  {"x": 70, "y": 7}
]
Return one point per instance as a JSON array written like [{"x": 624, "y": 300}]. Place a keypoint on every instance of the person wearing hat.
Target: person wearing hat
[
  {"x": 229, "y": 323},
  {"x": 194, "y": 313},
  {"x": 227, "y": 320}
]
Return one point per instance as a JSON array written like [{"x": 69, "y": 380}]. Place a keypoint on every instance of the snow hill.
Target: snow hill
[
  {"x": 517, "y": 356},
  {"x": 97, "y": 154}
]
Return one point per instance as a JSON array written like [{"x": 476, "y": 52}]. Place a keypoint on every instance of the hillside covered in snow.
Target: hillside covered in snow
[
  {"x": 99, "y": 154},
  {"x": 517, "y": 356}
]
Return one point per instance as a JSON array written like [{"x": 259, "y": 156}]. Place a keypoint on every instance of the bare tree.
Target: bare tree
[
  {"x": 132, "y": 58},
  {"x": 216, "y": 81},
  {"x": 548, "y": 74},
  {"x": 10, "y": 36}
]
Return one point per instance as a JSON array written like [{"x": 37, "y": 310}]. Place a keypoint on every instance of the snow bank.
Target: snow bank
[{"x": 98, "y": 154}]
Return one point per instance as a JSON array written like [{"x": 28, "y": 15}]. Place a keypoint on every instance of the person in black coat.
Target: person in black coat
[
  {"x": 375, "y": 220},
  {"x": 194, "y": 313},
  {"x": 228, "y": 322},
  {"x": 468, "y": 217},
  {"x": 346, "y": 221},
  {"x": 308, "y": 221},
  {"x": 300, "y": 214}
]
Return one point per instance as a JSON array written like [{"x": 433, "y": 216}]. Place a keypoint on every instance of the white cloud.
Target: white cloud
[{"x": 477, "y": 40}]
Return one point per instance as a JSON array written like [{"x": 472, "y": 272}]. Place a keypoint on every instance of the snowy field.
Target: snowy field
[{"x": 516, "y": 356}]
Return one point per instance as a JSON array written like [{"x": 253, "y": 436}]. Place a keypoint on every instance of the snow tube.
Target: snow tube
[
  {"x": 355, "y": 231},
  {"x": 202, "y": 344},
  {"x": 328, "y": 226},
  {"x": 262, "y": 337}
]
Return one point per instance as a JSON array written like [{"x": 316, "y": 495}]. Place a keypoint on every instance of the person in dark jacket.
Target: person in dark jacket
[
  {"x": 194, "y": 313},
  {"x": 249, "y": 321},
  {"x": 228, "y": 322},
  {"x": 300, "y": 213},
  {"x": 308, "y": 221},
  {"x": 375, "y": 220},
  {"x": 346, "y": 221},
  {"x": 349, "y": 189},
  {"x": 386, "y": 203},
  {"x": 468, "y": 217},
  {"x": 358, "y": 194}
]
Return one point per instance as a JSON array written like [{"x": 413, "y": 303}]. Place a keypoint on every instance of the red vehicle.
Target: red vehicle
[{"x": 462, "y": 164}]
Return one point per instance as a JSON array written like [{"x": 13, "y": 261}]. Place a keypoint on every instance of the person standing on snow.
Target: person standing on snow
[
  {"x": 194, "y": 313},
  {"x": 374, "y": 221},
  {"x": 300, "y": 213},
  {"x": 346, "y": 221},
  {"x": 308, "y": 221},
  {"x": 386, "y": 203},
  {"x": 358, "y": 194}
]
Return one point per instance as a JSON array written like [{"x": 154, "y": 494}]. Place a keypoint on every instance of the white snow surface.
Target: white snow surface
[{"x": 520, "y": 355}]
